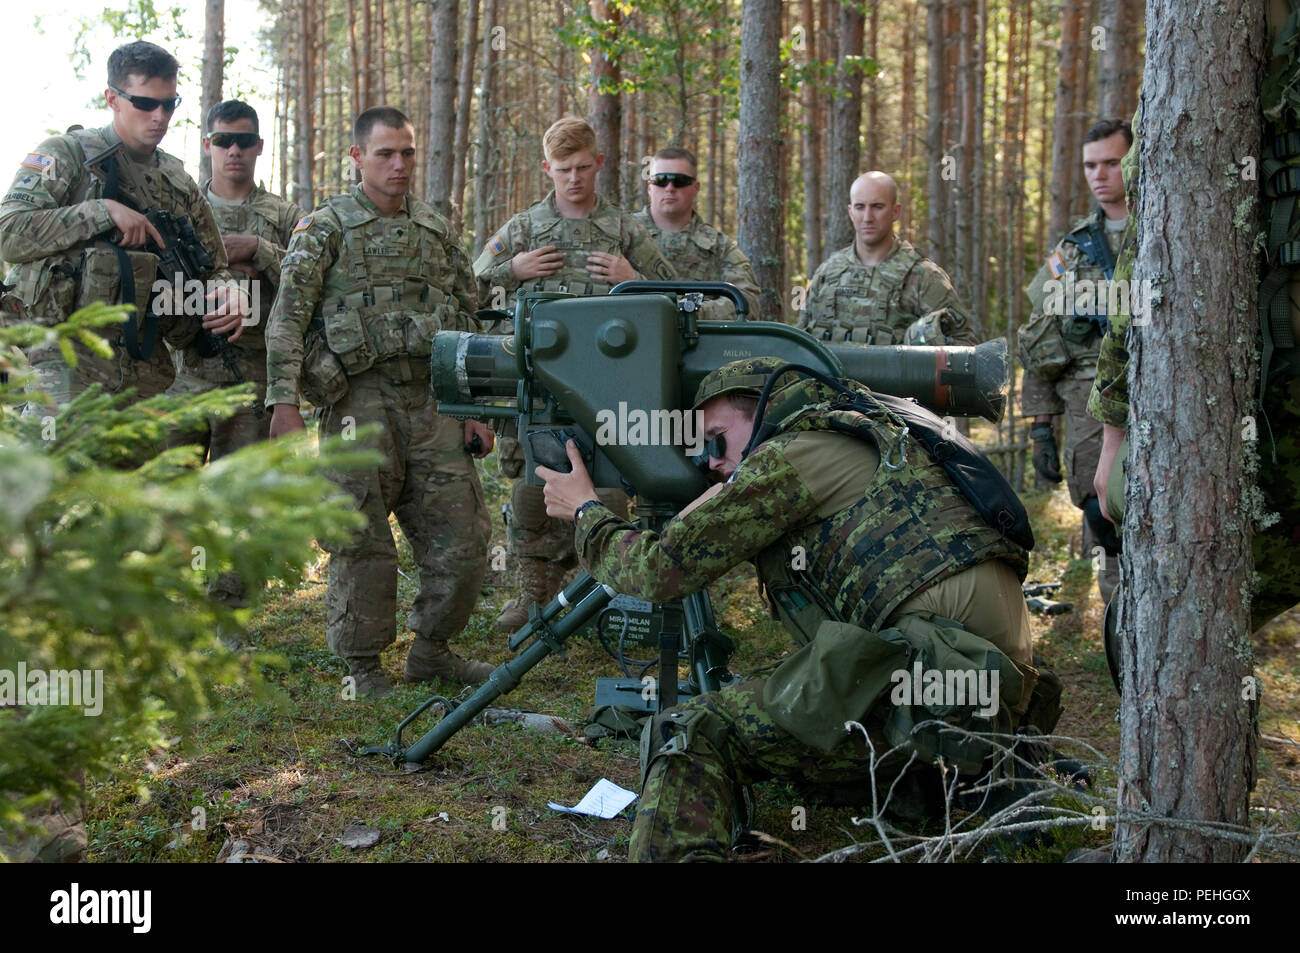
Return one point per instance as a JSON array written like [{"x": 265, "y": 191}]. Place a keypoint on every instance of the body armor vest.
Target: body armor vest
[
  {"x": 867, "y": 306},
  {"x": 912, "y": 528},
  {"x": 576, "y": 238},
  {"x": 377, "y": 303}
]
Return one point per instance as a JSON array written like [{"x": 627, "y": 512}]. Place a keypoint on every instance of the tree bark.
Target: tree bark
[
  {"x": 936, "y": 191},
  {"x": 874, "y": 132},
  {"x": 1065, "y": 158},
  {"x": 810, "y": 134},
  {"x": 464, "y": 91},
  {"x": 846, "y": 129},
  {"x": 605, "y": 108},
  {"x": 304, "y": 118},
  {"x": 485, "y": 172},
  {"x": 908, "y": 143},
  {"x": 1186, "y": 735},
  {"x": 1117, "y": 71},
  {"x": 442, "y": 104},
  {"x": 760, "y": 206},
  {"x": 214, "y": 49}
]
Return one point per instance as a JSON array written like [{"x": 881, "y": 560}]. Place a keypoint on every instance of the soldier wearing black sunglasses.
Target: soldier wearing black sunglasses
[
  {"x": 255, "y": 230},
  {"x": 73, "y": 224},
  {"x": 697, "y": 250}
]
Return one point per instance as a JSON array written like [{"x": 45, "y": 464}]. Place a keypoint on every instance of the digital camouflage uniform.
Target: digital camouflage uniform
[
  {"x": 890, "y": 550},
  {"x": 382, "y": 288},
  {"x": 1076, "y": 339},
  {"x": 1275, "y": 548},
  {"x": 271, "y": 220},
  {"x": 850, "y": 301},
  {"x": 55, "y": 226},
  {"x": 530, "y": 533},
  {"x": 700, "y": 252}
]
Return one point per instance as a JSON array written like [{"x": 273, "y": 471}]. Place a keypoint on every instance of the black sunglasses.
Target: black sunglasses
[
  {"x": 715, "y": 447},
  {"x": 224, "y": 140},
  {"x": 665, "y": 179},
  {"x": 147, "y": 103}
]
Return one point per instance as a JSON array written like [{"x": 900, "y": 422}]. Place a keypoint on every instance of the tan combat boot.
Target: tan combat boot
[
  {"x": 428, "y": 659},
  {"x": 534, "y": 586}
]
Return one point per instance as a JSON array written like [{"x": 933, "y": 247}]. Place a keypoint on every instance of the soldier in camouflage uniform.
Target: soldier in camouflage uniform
[
  {"x": 572, "y": 241},
  {"x": 369, "y": 278},
  {"x": 879, "y": 290},
  {"x": 897, "y": 561},
  {"x": 1059, "y": 342},
  {"x": 697, "y": 250},
  {"x": 255, "y": 228},
  {"x": 72, "y": 224},
  {"x": 1274, "y": 547}
]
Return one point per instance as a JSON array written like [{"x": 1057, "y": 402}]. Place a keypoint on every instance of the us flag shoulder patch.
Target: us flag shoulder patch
[
  {"x": 495, "y": 245},
  {"x": 39, "y": 161},
  {"x": 304, "y": 222},
  {"x": 1055, "y": 264}
]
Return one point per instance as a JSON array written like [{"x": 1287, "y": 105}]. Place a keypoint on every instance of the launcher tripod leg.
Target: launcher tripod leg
[{"x": 549, "y": 627}]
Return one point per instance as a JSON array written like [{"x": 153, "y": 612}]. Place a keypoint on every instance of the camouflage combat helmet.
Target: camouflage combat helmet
[{"x": 748, "y": 375}]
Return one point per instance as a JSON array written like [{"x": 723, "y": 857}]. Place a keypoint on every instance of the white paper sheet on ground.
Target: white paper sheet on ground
[{"x": 606, "y": 800}]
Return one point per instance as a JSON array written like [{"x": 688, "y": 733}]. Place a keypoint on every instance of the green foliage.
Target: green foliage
[
  {"x": 664, "y": 47},
  {"x": 104, "y": 568}
]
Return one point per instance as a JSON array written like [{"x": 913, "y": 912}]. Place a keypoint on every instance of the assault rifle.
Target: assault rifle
[
  {"x": 571, "y": 364},
  {"x": 183, "y": 259}
]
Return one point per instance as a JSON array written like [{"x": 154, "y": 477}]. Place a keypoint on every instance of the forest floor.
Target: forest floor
[{"x": 272, "y": 774}]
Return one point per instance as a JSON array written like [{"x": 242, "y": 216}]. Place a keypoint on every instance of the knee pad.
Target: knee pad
[{"x": 680, "y": 731}]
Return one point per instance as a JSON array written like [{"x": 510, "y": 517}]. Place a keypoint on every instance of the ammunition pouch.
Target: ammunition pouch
[
  {"x": 48, "y": 290},
  {"x": 367, "y": 327},
  {"x": 1042, "y": 348},
  {"x": 323, "y": 380},
  {"x": 1083, "y": 328},
  {"x": 101, "y": 277}
]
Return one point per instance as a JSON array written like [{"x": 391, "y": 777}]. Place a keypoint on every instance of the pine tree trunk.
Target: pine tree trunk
[
  {"x": 304, "y": 117},
  {"x": 1187, "y": 745},
  {"x": 936, "y": 190},
  {"x": 1118, "y": 72},
  {"x": 811, "y": 131},
  {"x": 442, "y": 104},
  {"x": 908, "y": 144},
  {"x": 485, "y": 171},
  {"x": 605, "y": 108},
  {"x": 874, "y": 132},
  {"x": 464, "y": 90},
  {"x": 846, "y": 129},
  {"x": 760, "y": 207},
  {"x": 1065, "y": 158},
  {"x": 214, "y": 49}
]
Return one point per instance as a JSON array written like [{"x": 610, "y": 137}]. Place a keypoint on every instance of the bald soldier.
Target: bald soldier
[
  {"x": 880, "y": 290},
  {"x": 696, "y": 249}
]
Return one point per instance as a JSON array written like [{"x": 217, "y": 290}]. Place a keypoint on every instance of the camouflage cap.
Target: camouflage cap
[{"x": 748, "y": 375}]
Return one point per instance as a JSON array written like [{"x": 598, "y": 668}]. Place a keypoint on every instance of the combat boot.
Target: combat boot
[
  {"x": 534, "y": 586},
  {"x": 429, "y": 659},
  {"x": 368, "y": 677}
]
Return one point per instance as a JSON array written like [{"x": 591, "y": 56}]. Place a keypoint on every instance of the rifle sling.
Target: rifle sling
[{"x": 140, "y": 350}]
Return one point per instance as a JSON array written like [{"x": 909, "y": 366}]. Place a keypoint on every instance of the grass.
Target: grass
[{"x": 274, "y": 769}]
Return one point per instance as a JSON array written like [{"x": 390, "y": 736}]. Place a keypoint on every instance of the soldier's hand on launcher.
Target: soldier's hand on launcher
[{"x": 565, "y": 492}]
